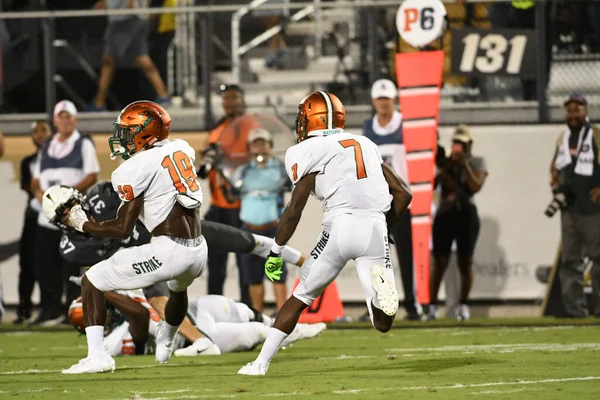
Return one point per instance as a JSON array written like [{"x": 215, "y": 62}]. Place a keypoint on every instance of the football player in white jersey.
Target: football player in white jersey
[
  {"x": 156, "y": 183},
  {"x": 346, "y": 173}
]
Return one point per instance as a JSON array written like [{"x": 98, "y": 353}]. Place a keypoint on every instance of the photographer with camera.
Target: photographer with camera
[
  {"x": 575, "y": 182},
  {"x": 460, "y": 176},
  {"x": 221, "y": 208},
  {"x": 260, "y": 185}
]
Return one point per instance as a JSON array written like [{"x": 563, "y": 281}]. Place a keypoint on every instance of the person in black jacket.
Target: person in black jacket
[{"x": 40, "y": 132}]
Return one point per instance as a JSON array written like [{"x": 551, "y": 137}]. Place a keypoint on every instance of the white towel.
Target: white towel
[{"x": 585, "y": 161}]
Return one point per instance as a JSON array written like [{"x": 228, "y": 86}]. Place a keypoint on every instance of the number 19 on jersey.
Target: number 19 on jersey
[{"x": 181, "y": 170}]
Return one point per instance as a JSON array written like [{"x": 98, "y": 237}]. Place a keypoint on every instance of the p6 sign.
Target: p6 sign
[{"x": 420, "y": 22}]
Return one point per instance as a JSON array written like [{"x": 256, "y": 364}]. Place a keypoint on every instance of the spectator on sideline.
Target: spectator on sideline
[
  {"x": 461, "y": 176},
  {"x": 40, "y": 132},
  {"x": 221, "y": 209},
  {"x": 260, "y": 185},
  {"x": 575, "y": 172},
  {"x": 385, "y": 130},
  {"x": 161, "y": 35},
  {"x": 126, "y": 39},
  {"x": 68, "y": 159}
]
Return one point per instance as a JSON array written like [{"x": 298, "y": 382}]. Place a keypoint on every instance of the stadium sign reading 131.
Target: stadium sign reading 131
[{"x": 494, "y": 52}]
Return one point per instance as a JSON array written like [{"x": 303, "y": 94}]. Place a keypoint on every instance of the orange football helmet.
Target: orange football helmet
[
  {"x": 138, "y": 127},
  {"x": 319, "y": 114},
  {"x": 76, "y": 315}
]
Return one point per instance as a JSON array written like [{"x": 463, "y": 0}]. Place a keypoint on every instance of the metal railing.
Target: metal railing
[
  {"x": 185, "y": 71},
  {"x": 188, "y": 67},
  {"x": 185, "y": 54},
  {"x": 238, "y": 50}
]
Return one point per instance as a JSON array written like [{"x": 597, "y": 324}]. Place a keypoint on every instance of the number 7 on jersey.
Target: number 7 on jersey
[
  {"x": 361, "y": 171},
  {"x": 181, "y": 170}
]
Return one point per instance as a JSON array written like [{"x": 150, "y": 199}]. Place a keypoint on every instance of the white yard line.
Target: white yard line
[
  {"x": 165, "y": 391},
  {"x": 388, "y": 389},
  {"x": 53, "y": 371},
  {"x": 58, "y": 348},
  {"x": 344, "y": 357},
  {"x": 473, "y": 349},
  {"x": 500, "y": 348},
  {"x": 498, "y": 391},
  {"x": 45, "y": 389}
]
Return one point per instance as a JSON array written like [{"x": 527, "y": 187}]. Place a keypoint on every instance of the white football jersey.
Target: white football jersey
[
  {"x": 159, "y": 174},
  {"x": 350, "y": 178}
]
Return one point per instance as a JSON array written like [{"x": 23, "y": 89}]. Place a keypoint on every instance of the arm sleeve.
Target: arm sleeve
[{"x": 90, "y": 158}]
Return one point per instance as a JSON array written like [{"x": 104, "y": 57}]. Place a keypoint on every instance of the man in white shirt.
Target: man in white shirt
[
  {"x": 67, "y": 159},
  {"x": 385, "y": 130}
]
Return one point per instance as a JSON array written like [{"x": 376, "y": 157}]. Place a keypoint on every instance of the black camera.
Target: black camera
[
  {"x": 561, "y": 198},
  {"x": 211, "y": 158}
]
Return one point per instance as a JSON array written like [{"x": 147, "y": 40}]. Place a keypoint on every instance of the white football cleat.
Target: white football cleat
[
  {"x": 201, "y": 347},
  {"x": 254, "y": 369},
  {"x": 386, "y": 293},
  {"x": 93, "y": 365},
  {"x": 164, "y": 343},
  {"x": 462, "y": 313},
  {"x": 304, "y": 331}
]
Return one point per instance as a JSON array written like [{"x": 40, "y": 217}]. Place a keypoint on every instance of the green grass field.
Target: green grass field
[{"x": 430, "y": 362}]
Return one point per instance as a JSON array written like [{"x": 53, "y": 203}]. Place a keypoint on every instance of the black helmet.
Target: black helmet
[{"x": 103, "y": 202}]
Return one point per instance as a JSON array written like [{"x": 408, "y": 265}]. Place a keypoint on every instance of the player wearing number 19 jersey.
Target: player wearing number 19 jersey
[
  {"x": 346, "y": 173},
  {"x": 156, "y": 183}
]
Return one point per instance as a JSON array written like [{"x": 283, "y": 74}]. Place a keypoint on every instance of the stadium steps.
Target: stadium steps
[{"x": 285, "y": 87}]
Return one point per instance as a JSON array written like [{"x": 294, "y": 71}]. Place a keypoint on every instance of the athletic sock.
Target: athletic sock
[
  {"x": 171, "y": 330},
  {"x": 95, "y": 340},
  {"x": 271, "y": 346}
]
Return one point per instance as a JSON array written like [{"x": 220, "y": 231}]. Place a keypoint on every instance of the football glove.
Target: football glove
[
  {"x": 273, "y": 267},
  {"x": 77, "y": 217}
]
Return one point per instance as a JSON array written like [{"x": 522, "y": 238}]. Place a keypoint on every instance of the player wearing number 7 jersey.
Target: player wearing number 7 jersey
[
  {"x": 346, "y": 173},
  {"x": 156, "y": 183}
]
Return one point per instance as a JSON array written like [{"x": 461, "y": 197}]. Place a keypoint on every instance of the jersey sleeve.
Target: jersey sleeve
[
  {"x": 130, "y": 180},
  {"x": 299, "y": 162}
]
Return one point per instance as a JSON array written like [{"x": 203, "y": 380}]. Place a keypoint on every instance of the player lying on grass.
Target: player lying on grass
[
  {"x": 159, "y": 186},
  {"x": 132, "y": 323},
  {"x": 346, "y": 173}
]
